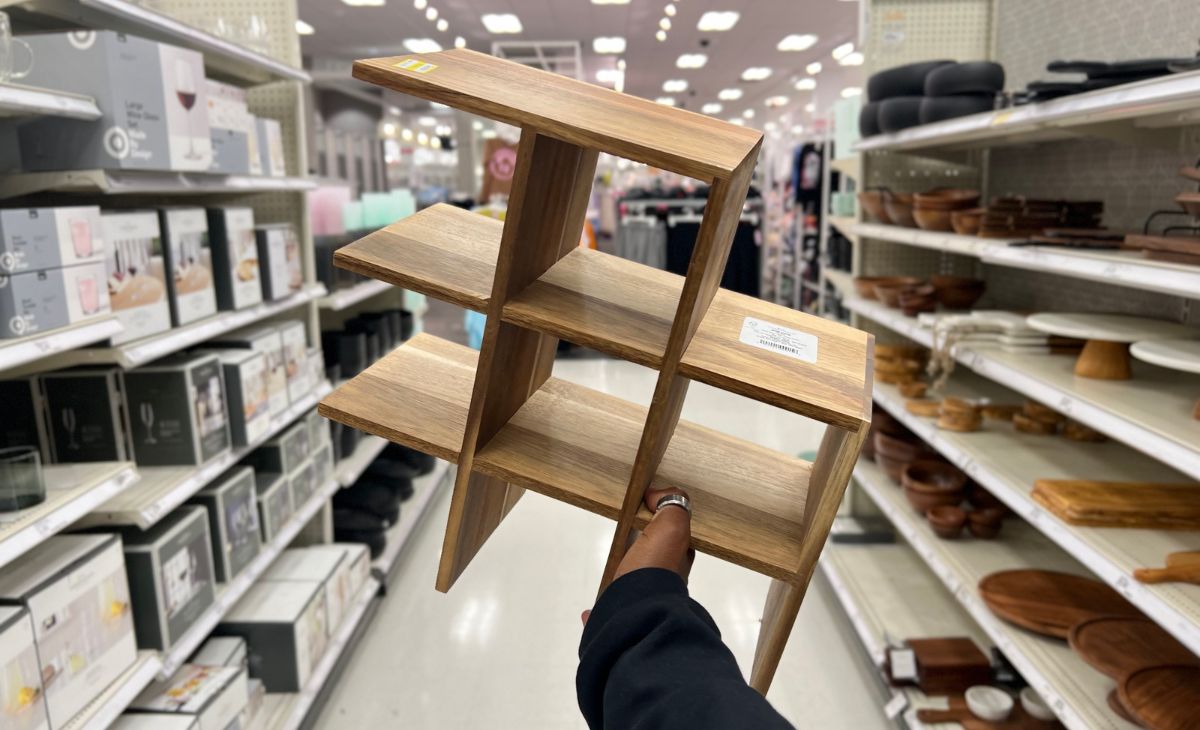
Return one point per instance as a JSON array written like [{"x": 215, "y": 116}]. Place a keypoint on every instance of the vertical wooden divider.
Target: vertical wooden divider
[{"x": 545, "y": 218}]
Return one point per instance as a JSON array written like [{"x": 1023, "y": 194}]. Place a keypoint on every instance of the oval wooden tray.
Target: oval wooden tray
[
  {"x": 1050, "y": 603},
  {"x": 1118, "y": 645},
  {"x": 1163, "y": 698}
]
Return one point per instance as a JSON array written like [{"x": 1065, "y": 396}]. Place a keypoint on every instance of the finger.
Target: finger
[
  {"x": 585, "y": 616},
  {"x": 653, "y": 495}
]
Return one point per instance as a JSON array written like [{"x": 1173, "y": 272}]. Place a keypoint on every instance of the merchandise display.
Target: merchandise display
[
  {"x": 214, "y": 696},
  {"x": 38, "y": 301},
  {"x": 85, "y": 415},
  {"x": 330, "y": 568},
  {"x": 189, "y": 264},
  {"x": 137, "y": 279},
  {"x": 267, "y": 340},
  {"x": 232, "y": 521},
  {"x": 234, "y": 257},
  {"x": 177, "y": 410},
  {"x": 278, "y": 260},
  {"x": 247, "y": 390},
  {"x": 233, "y": 129},
  {"x": 36, "y": 239},
  {"x": 22, "y": 697},
  {"x": 273, "y": 495},
  {"x": 285, "y": 628}
]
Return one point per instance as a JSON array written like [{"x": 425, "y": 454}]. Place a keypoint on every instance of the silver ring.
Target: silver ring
[{"x": 677, "y": 500}]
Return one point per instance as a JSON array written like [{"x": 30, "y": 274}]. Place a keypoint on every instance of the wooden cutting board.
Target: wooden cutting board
[
  {"x": 1114, "y": 704},
  {"x": 1172, "y": 244},
  {"x": 1163, "y": 698},
  {"x": 959, "y": 713},
  {"x": 1050, "y": 603},
  {"x": 1181, "y": 567},
  {"x": 1118, "y": 646},
  {"x": 1121, "y": 504}
]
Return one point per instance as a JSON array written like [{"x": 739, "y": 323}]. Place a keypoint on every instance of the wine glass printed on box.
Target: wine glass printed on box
[
  {"x": 146, "y": 413},
  {"x": 185, "y": 92}
]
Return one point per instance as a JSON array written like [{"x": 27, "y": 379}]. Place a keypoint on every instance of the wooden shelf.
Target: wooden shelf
[{"x": 576, "y": 112}]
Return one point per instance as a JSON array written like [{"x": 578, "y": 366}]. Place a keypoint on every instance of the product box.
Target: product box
[
  {"x": 155, "y": 721},
  {"x": 303, "y": 483},
  {"x": 318, "y": 428},
  {"x": 247, "y": 387},
  {"x": 231, "y": 126},
  {"x": 232, "y": 521},
  {"x": 358, "y": 563},
  {"x": 322, "y": 460},
  {"x": 264, "y": 339},
  {"x": 85, "y": 416},
  {"x": 37, "y": 301},
  {"x": 221, "y": 651},
  {"x": 22, "y": 698},
  {"x": 189, "y": 264},
  {"x": 235, "y": 257},
  {"x": 284, "y": 453},
  {"x": 295, "y": 359},
  {"x": 214, "y": 696},
  {"x": 23, "y": 423},
  {"x": 33, "y": 239},
  {"x": 284, "y": 625},
  {"x": 316, "y": 367},
  {"x": 152, "y": 98},
  {"x": 137, "y": 282},
  {"x": 270, "y": 147},
  {"x": 330, "y": 568},
  {"x": 170, "y": 575},
  {"x": 279, "y": 260},
  {"x": 177, "y": 410},
  {"x": 75, "y": 590},
  {"x": 274, "y": 496}
]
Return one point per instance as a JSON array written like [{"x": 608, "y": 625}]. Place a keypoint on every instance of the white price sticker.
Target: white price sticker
[
  {"x": 896, "y": 705},
  {"x": 903, "y": 663},
  {"x": 778, "y": 339}
]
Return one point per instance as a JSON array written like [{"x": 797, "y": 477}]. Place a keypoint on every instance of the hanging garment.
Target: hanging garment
[{"x": 643, "y": 241}]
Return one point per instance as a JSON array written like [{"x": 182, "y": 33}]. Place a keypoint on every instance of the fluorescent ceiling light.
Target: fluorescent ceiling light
[
  {"x": 851, "y": 91},
  {"x": 712, "y": 108},
  {"x": 729, "y": 94},
  {"x": 842, "y": 51},
  {"x": 431, "y": 14},
  {"x": 813, "y": 68},
  {"x": 674, "y": 86},
  {"x": 460, "y": 42},
  {"x": 501, "y": 23},
  {"x": 488, "y": 134},
  {"x": 477, "y": 125},
  {"x": 420, "y": 4},
  {"x": 427, "y": 122},
  {"x": 798, "y": 129},
  {"x": 389, "y": 129},
  {"x": 810, "y": 107},
  {"x": 423, "y": 139},
  {"x": 442, "y": 130},
  {"x": 406, "y": 134},
  {"x": 776, "y": 101},
  {"x": 303, "y": 28},
  {"x": 443, "y": 25},
  {"x": 806, "y": 84},
  {"x": 748, "y": 114},
  {"x": 665, "y": 100},
  {"x": 717, "y": 21},
  {"x": 739, "y": 122},
  {"x": 422, "y": 45},
  {"x": 365, "y": 3},
  {"x": 797, "y": 42},
  {"x": 756, "y": 73},
  {"x": 436, "y": 143},
  {"x": 852, "y": 59},
  {"x": 608, "y": 44},
  {"x": 665, "y": 24},
  {"x": 691, "y": 60},
  {"x": 661, "y": 35},
  {"x": 608, "y": 75},
  {"x": 770, "y": 126},
  {"x": 394, "y": 111},
  {"x": 670, "y": 10}
]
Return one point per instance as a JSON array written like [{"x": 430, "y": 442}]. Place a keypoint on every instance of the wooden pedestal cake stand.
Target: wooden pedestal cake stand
[{"x": 1106, "y": 354}]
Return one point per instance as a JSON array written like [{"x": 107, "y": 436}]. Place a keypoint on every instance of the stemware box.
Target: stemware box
[
  {"x": 264, "y": 339},
  {"x": 177, "y": 410},
  {"x": 233, "y": 521},
  {"x": 137, "y": 283},
  {"x": 85, "y": 417},
  {"x": 33, "y": 239},
  {"x": 235, "y": 257},
  {"x": 284, "y": 625}
]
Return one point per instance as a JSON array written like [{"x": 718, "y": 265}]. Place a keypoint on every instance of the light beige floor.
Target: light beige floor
[{"x": 499, "y": 651}]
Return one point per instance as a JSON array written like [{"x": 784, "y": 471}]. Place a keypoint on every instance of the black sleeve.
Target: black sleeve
[{"x": 651, "y": 658}]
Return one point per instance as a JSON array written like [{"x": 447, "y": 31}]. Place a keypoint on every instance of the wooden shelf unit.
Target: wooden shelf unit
[{"x": 509, "y": 426}]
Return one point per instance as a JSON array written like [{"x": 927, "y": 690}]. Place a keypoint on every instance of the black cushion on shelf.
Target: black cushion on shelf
[
  {"x": 370, "y": 497},
  {"x": 422, "y": 463},
  {"x": 899, "y": 113},
  {"x": 349, "y": 518},
  {"x": 401, "y": 489},
  {"x": 387, "y": 468},
  {"x": 375, "y": 540},
  {"x": 938, "y": 108},
  {"x": 868, "y": 119},
  {"x": 975, "y": 77},
  {"x": 906, "y": 80},
  {"x": 349, "y": 440}
]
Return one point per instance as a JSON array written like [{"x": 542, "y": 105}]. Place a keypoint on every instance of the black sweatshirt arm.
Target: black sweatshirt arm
[{"x": 651, "y": 658}]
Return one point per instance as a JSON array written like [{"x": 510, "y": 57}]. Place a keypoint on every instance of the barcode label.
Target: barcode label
[{"x": 778, "y": 339}]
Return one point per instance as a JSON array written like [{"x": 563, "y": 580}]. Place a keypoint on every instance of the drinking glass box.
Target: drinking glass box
[
  {"x": 137, "y": 283},
  {"x": 22, "y": 698},
  {"x": 284, "y": 625},
  {"x": 189, "y": 264},
  {"x": 274, "y": 496},
  {"x": 279, "y": 260},
  {"x": 37, "y": 301},
  {"x": 232, "y": 521},
  {"x": 177, "y": 410},
  {"x": 33, "y": 239},
  {"x": 247, "y": 385},
  {"x": 264, "y": 339},
  {"x": 330, "y": 568},
  {"x": 295, "y": 359},
  {"x": 85, "y": 416},
  {"x": 235, "y": 257},
  {"x": 213, "y": 696},
  {"x": 232, "y": 129}
]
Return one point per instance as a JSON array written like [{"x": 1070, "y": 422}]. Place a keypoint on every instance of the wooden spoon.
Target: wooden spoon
[{"x": 1181, "y": 568}]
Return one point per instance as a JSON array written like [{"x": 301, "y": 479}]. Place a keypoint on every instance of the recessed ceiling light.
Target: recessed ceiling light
[
  {"x": 797, "y": 42},
  {"x": 406, "y": 134},
  {"x": 501, "y": 23},
  {"x": 665, "y": 24},
  {"x": 423, "y": 139},
  {"x": 431, "y": 13},
  {"x": 717, "y": 20},
  {"x": 422, "y": 45},
  {"x": 621, "y": 63},
  {"x": 674, "y": 86},
  {"x": 842, "y": 51},
  {"x": 770, "y": 126},
  {"x": 739, "y": 122},
  {"x": 365, "y": 3},
  {"x": 670, "y": 10},
  {"x": 608, "y": 75},
  {"x": 661, "y": 35},
  {"x": 303, "y": 28},
  {"x": 776, "y": 101},
  {"x": 460, "y": 42},
  {"x": 427, "y": 121},
  {"x": 609, "y": 44},
  {"x": 756, "y": 73},
  {"x": 806, "y": 84},
  {"x": 748, "y": 114},
  {"x": 420, "y": 4},
  {"x": 436, "y": 143},
  {"x": 665, "y": 100},
  {"x": 691, "y": 60},
  {"x": 389, "y": 129},
  {"x": 712, "y": 108},
  {"x": 851, "y": 91},
  {"x": 610, "y": 2},
  {"x": 443, "y": 25},
  {"x": 442, "y": 130},
  {"x": 810, "y": 107},
  {"x": 852, "y": 59},
  {"x": 798, "y": 129},
  {"x": 729, "y": 94},
  {"x": 813, "y": 68}
]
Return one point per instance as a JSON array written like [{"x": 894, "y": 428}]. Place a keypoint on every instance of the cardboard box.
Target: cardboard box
[
  {"x": 303, "y": 483},
  {"x": 75, "y": 590},
  {"x": 177, "y": 410},
  {"x": 230, "y": 126},
  {"x": 24, "y": 423},
  {"x": 214, "y": 696},
  {"x": 170, "y": 575},
  {"x": 284, "y": 453},
  {"x": 152, "y": 98},
  {"x": 331, "y": 568},
  {"x": 247, "y": 387},
  {"x": 264, "y": 339},
  {"x": 316, "y": 367},
  {"x": 270, "y": 147},
  {"x": 154, "y": 721},
  {"x": 232, "y": 508},
  {"x": 274, "y": 495},
  {"x": 33, "y": 239},
  {"x": 221, "y": 651},
  {"x": 137, "y": 282},
  {"x": 189, "y": 264},
  {"x": 279, "y": 260},
  {"x": 358, "y": 563},
  {"x": 38, "y": 301},
  {"x": 235, "y": 257},
  {"x": 85, "y": 416},
  {"x": 284, "y": 625},
  {"x": 322, "y": 460},
  {"x": 22, "y": 699},
  {"x": 295, "y": 359}
]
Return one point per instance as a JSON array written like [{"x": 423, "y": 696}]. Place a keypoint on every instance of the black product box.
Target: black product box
[
  {"x": 188, "y": 259},
  {"x": 177, "y": 410},
  {"x": 284, "y": 625},
  {"x": 23, "y": 423},
  {"x": 379, "y": 324},
  {"x": 235, "y": 257},
  {"x": 85, "y": 416},
  {"x": 232, "y": 508},
  {"x": 331, "y": 276},
  {"x": 274, "y": 496},
  {"x": 347, "y": 349},
  {"x": 295, "y": 359},
  {"x": 170, "y": 576},
  {"x": 284, "y": 453},
  {"x": 303, "y": 483},
  {"x": 279, "y": 260}
]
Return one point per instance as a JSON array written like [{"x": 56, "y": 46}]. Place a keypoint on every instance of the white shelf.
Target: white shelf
[
  {"x": 25, "y": 350},
  {"x": 846, "y": 225},
  {"x": 1123, "y": 268},
  {"x": 1152, "y": 412},
  {"x": 425, "y": 489},
  {"x": 349, "y": 469},
  {"x": 843, "y": 281},
  {"x": 230, "y": 593},
  {"x": 850, "y": 166},
  {"x": 146, "y": 182},
  {"x": 163, "y": 488},
  {"x": 139, "y": 352},
  {"x": 346, "y": 298},
  {"x": 72, "y": 490},
  {"x": 103, "y": 711},
  {"x": 1146, "y": 105},
  {"x": 1076, "y": 692},
  {"x": 287, "y": 711},
  {"x": 17, "y": 100}
]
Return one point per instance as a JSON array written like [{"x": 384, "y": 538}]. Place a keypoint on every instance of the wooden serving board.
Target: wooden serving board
[
  {"x": 1050, "y": 603},
  {"x": 1163, "y": 698},
  {"x": 1183, "y": 567},
  {"x": 1117, "y": 645},
  {"x": 959, "y": 713},
  {"x": 1174, "y": 244},
  {"x": 1114, "y": 704},
  {"x": 1121, "y": 504}
]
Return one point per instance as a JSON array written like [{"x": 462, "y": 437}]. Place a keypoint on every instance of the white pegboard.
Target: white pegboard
[
  {"x": 906, "y": 31},
  {"x": 267, "y": 26}
]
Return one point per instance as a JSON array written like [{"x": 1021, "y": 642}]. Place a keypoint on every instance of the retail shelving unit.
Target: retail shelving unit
[
  {"x": 346, "y": 298},
  {"x": 144, "y": 182},
  {"x": 425, "y": 491},
  {"x": 509, "y": 426},
  {"x": 22, "y": 351},
  {"x": 351, "y": 467},
  {"x": 17, "y": 100}
]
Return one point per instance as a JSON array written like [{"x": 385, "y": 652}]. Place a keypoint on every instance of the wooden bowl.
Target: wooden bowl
[
  {"x": 906, "y": 450},
  {"x": 967, "y": 222},
  {"x": 923, "y": 408},
  {"x": 895, "y": 378},
  {"x": 1043, "y": 413},
  {"x": 999, "y": 412},
  {"x": 915, "y": 389},
  {"x": 985, "y": 523},
  {"x": 922, "y": 501},
  {"x": 959, "y": 422},
  {"x": 872, "y": 203},
  {"x": 947, "y": 521},
  {"x": 882, "y": 421},
  {"x": 904, "y": 352},
  {"x": 982, "y": 499},
  {"x": 932, "y": 219},
  {"x": 946, "y": 199},
  {"x": 933, "y": 477},
  {"x": 898, "y": 366},
  {"x": 1029, "y": 424},
  {"x": 889, "y": 292},
  {"x": 959, "y": 406},
  {"x": 899, "y": 207},
  {"x": 958, "y": 292},
  {"x": 894, "y": 468},
  {"x": 1076, "y": 431},
  {"x": 864, "y": 286}
]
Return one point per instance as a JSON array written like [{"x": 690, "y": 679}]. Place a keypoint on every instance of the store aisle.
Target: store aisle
[{"x": 499, "y": 651}]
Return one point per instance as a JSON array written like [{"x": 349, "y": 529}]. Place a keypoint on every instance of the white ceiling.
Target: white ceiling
[{"x": 345, "y": 32}]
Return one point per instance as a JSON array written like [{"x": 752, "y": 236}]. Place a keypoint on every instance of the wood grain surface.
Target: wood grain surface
[
  {"x": 1163, "y": 698},
  {"x": 584, "y": 114},
  {"x": 1182, "y": 567},
  {"x": 958, "y": 712},
  {"x": 1050, "y": 603},
  {"x": 1121, "y": 504},
  {"x": 1119, "y": 645}
]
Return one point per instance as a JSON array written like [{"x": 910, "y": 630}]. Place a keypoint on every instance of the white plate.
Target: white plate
[
  {"x": 1110, "y": 327},
  {"x": 1174, "y": 354}
]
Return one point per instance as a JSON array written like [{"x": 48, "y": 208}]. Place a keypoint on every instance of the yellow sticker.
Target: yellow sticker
[
  {"x": 1001, "y": 118},
  {"x": 416, "y": 65}
]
